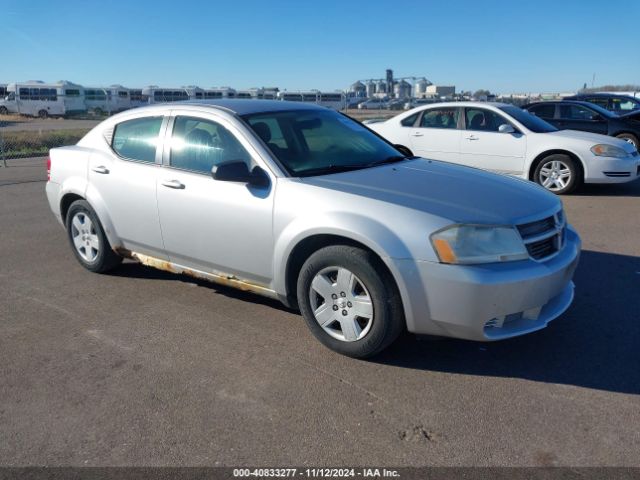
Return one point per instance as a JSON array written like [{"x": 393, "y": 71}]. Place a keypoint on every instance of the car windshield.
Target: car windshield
[
  {"x": 317, "y": 142},
  {"x": 533, "y": 123}
]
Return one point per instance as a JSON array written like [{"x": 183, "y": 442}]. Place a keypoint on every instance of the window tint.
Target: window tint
[
  {"x": 600, "y": 101},
  {"x": 317, "y": 142},
  {"x": 137, "y": 139},
  {"x": 624, "y": 104},
  {"x": 440, "y": 118},
  {"x": 410, "y": 121},
  {"x": 198, "y": 145},
  {"x": 483, "y": 120},
  {"x": 46, "y": 94},
  {"x": 543, "y": 111},
  {"x": 576, "y": 112},
  {"x": 527, "y": 119}
]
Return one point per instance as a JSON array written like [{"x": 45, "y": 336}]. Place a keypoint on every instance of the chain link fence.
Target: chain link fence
[{"x": 26, "y": 137}]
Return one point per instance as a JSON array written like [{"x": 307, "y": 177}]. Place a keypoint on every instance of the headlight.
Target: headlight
[
  {"x": 466, "y": 244},
  {"x": 604, "y": 150}
]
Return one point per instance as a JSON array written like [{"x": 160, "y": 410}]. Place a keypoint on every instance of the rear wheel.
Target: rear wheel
[
  {"x": 558, "y": 173},
  {"x": 87, "y": 238},
  {"x": 3, "y": 111},
  {"x": 98, "y": 112},
  {"x": 43, "y": 114},
  {"x": 630, "y": 138},
  {"x": 349, "y": 302}
]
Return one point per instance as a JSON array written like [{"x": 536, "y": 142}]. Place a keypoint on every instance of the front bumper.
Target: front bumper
[
  {"x": 613, "y": 170},
  {"x": 489, "y": 302}
]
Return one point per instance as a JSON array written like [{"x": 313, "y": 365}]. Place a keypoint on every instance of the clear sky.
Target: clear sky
[{"x": 504, "y": 46}]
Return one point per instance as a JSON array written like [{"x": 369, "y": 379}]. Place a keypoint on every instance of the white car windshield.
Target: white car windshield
[{"x": 533, "y": 123}]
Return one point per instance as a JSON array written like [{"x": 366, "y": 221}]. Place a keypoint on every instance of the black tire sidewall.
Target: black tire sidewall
[
  {"x": 624, "y": 136},
  {"x": 103, "y": 260},
  {"x": 570, "y": 162},
  {"x": 388, "y": 319}
]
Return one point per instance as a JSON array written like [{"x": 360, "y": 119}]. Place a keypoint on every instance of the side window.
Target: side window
[
  {"x": 576, "y": 112},
  {"x": 600, "y": 101},
  {"x": 440, "y": 118},
  {"x": 623, "y": 104},
  {"x": 543, "y": 111},
  {"x": 483, "y": 120},
  {"x": 269, "y": 131},
  {"x": 410, "y": 121},
  {"x": 137, "y": 139},
  {"x": 197, "y": 145}
]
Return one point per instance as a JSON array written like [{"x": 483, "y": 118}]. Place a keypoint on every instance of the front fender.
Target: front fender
[{"x": 358, "y": 228}]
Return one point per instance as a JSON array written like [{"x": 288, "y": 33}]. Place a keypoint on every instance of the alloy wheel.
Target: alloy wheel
[{"x": 555, "y": 175}]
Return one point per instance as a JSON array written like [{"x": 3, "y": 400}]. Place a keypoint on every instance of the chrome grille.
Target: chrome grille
[{"x": 543, "y": 238}]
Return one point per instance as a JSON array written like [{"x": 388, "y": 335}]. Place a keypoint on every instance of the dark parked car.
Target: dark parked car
[
  {"x": 588, "y": 117},
  {"x": 618, "y": 104}
]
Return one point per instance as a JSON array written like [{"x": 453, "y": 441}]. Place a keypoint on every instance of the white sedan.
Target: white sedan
[{"x": 505, "y": 139}]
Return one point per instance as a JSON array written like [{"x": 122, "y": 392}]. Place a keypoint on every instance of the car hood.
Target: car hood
[
  {"x": 456, "y": 193},
  {"x": 593, "y": 138}
]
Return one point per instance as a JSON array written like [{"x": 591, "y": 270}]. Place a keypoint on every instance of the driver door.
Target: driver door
[
  {"x": 484, "y": 146},
  {"x": 209, "y": 225}
]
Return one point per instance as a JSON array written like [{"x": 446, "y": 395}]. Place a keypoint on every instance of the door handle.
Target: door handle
[
  {"x": 101, "y": 169},
  {"x": 472, "y": 137},
  {"x": 173, "y": 184},
  {"x": 417, "y": 134}
]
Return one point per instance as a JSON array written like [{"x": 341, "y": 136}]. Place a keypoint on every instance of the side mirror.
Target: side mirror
[
  {"x": 237, "y": 171},
  {"x": 403, "y": 150},
  {"x": 506, "y": 128},
  {"x": 596, "y": 117}
]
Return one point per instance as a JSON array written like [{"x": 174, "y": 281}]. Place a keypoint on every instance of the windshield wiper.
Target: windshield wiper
[
  {"x": 331, "y": 169},
  {"x": 392, "y": 159}
]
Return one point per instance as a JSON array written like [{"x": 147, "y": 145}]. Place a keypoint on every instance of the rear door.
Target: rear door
[
  {"x": 437, "y": 135},
  {"x": 580, "y": 117},
  {"x": 484, "y": 146},
  {"x": 210, "y": 225},
  {"x": 124, "y": 180}
]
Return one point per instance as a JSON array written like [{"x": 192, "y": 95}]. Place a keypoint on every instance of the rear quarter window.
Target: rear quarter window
[{"x": 137, "y": 139}]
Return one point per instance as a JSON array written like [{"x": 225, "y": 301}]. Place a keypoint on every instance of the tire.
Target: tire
[
  {"x": 558, "y": 173},
  {"x": 4, "y": 111},
  {"x": 98, "y": 112},
  {"x": 628, "y": 137},
  {"x": 87, "y": 239},
  {"x": 43, "y": 114},
  {"x": 360, "y": 284}
]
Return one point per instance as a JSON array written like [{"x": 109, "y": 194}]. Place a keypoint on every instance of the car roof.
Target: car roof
[
  {"x": 563, "y": 101},
  {"x": 467, "y": 104},
  {"x": 233, "y": 106},
  {"x": 606, "y": 95},
  {"x": 250, "y": 106}
]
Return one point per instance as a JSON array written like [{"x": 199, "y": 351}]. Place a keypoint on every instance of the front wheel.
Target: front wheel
[
  {"x": 4, "y": 111},
  {"x": 43, "y": 114},
  {"x": 557, "y": 173},
  {"x": 87, "y": 238},
  {"x": 349, "y": 302}
]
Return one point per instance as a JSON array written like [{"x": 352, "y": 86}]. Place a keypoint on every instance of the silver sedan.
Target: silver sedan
[{"x": 303, "y": 204}]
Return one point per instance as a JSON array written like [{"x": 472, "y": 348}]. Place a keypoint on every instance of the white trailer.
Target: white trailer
[
  {"x": 113, "y": 99},
  {"x": 156, "y": 94},
  {"x": 43, "y": 99}
]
